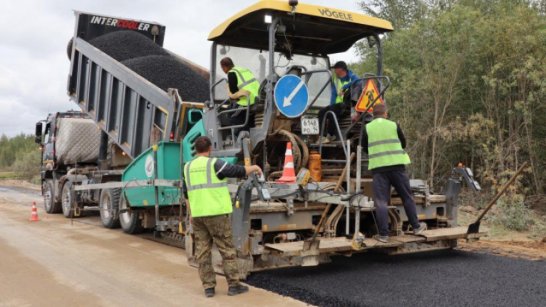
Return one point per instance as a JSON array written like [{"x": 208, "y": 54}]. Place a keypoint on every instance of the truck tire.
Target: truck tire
[
  {"x": 129, "y": 219},
  {"x": 69, "y": 49},
  {"x": 68, "y": 200},
  {"x": 109, "y": 207},
  {"x": 50, "y": 204}
]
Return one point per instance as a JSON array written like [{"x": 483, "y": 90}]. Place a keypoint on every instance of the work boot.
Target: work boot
[
  {"x": 209, "y": 292},
  {"x": 237, "y": 289},
  {"x": 422, "y": 227},
  {"x": 323, "y": 140},
  {"x": 382, "y": 239}
]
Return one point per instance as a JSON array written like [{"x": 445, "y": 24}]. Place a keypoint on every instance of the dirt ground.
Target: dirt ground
[
  {"x": 500, "y": 241},
  {"x": 54, "y": 262}
]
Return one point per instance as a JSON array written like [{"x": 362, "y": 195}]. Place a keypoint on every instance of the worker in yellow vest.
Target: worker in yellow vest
[
  {"x": 384, "y": 142},
  {"x": 205, "y": 181},
  {"x": 340, "y": 104},
  {"x": 243, "y": 89}
]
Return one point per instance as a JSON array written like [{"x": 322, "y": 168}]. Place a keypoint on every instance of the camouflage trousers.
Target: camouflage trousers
[{"x": 215, "y": 229}]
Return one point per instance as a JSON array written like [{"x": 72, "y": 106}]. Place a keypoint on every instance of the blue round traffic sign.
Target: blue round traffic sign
[{"x": 291, "y": 96}]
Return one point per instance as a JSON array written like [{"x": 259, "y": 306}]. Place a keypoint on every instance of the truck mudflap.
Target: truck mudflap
[{"x": 441, "y": 238}]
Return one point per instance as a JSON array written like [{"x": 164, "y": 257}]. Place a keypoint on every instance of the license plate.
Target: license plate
[{"x": 309, "y": 126}]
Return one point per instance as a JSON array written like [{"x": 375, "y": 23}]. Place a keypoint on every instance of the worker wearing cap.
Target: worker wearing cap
[
  {"x": 205, "y": 181},
  {"x": 341, "y": 84},
  {"x": 384, "y": 142},
  {"x": 243, "y": 89}
]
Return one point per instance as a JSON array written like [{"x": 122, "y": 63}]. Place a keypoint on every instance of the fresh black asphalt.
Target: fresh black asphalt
[{"x": 448, "y": 278}]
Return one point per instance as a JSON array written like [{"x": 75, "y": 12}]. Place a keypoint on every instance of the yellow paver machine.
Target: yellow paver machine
[{"x": 286, "y": 45}]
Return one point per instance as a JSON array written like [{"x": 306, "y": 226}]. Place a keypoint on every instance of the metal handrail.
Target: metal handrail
[
  {"x": 237, "y": 110},
  {"x": 310, "y": 72},
  {"x": 338, "y": 131}
]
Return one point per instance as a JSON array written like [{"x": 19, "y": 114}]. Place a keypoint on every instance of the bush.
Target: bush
[
  {"x": 27, "y": 165},
  {"x": 512, "y": 213}
]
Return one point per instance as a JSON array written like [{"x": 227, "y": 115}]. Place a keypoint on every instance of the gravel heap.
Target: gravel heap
[
  {"x": 123, "y": 45},
  {"x": 167, "y": 72},
  {"x": 154, "y": 63}
]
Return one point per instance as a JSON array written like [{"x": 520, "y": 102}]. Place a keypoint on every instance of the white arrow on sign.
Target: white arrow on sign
[{"x": 288, "y": 100}]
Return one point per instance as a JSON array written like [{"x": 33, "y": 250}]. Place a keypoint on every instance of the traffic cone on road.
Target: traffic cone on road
[
  {"x": 34, "y": 213},
  {"x": 288, "y": 172}
]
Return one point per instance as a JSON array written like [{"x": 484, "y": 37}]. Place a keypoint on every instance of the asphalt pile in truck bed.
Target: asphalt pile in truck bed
[
  {"x": 153, "y": 63},
  {"x": 124, "y": 45},
  {"x": 167, "y": 72}
]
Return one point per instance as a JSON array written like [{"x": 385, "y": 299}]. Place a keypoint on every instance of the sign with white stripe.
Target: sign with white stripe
[{"x": 291, "y": 96}]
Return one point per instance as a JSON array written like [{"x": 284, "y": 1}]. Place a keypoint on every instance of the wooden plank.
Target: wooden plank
[
  {"x": 434, "y": 199},
  {"x": 445, "y": 233},
  {"x": 408, "y": 239},
  {"x": 326, "y": 245},
  {"x": 370, "y": 243}
]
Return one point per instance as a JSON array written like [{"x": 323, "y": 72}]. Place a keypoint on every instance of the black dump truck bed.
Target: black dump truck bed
[{"x": 120, "y": 76}]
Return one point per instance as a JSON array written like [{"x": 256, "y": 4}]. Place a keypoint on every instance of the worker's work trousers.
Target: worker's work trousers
[
  {"x": 330, "y": 126},
  {"x": 382, "y": 182},
  {"x": 215, "y": 229}
]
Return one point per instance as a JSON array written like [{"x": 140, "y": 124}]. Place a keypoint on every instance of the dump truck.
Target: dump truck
[
  {"x": 287, "y": 45},
  {"x": 122, "y": 115}
]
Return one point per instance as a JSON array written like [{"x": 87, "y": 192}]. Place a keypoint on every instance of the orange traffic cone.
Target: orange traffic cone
[
  {"x": 34, "y": 213},
  {"x": 288, "y": 172}
]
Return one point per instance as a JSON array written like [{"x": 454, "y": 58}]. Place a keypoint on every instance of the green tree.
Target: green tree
[{"x": 468, "y": 84}]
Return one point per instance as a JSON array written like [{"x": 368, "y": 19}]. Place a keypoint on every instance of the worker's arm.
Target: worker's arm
[
  {"x": 334, "y": 94},
  {"x": 239, "y": 94},
  {"x": 234, "y": 91},
  {"x": 364, "y": 140},
  {"x": 226, "y": 170},
  {"x": 232, "y": 82},
  {"x": 401, "y": 136},
  {"x": 352, "y": 79}
]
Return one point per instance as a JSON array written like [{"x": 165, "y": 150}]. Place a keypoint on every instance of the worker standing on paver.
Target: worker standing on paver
[
  {"x": 384, "y": 142},
  {"x": 210, "y": 209},
  {"x": 341, "y": 83},
  {"x": 243, "y": 89}
]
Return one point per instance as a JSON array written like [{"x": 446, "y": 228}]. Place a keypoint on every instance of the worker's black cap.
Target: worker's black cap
[{"x": 340, "y": 64}]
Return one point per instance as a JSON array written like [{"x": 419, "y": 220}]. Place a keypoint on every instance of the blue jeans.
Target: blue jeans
[{"x": 382, "y": 182}]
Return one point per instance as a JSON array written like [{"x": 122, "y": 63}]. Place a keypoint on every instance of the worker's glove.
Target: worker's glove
[{"x": 354, "y": 115}]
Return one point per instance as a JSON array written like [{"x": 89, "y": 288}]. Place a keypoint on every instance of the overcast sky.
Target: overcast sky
[{"x": 34, "y": 35}]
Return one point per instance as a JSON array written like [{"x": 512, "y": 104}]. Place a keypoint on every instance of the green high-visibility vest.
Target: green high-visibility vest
[
  {"x": 384, "y": 147},
  {"x": 246, "y": 81},
  {"x": 339, "y": 85},
  {"x": 208, "y": 195}
]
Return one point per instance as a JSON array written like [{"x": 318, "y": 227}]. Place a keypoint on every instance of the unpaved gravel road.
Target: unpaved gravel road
[{"x": 55, "y": 263}]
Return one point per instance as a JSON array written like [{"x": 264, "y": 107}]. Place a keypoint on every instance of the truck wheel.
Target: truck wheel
[
  {"x": 69, "y": 49},
  {"x": 50, "y": 205},
  {"x": 68, "y": 200},
  {"x": 129, "y": 220},
  {"x": 108, "y": 205}
]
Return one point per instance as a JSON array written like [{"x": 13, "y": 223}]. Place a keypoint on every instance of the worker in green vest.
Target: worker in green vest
[
  {"x": 384, "y": 142},
  {"x": 243, "y": 89},
  {"x": 340, "y": 101},
  {"x": 205, "y": 181}
]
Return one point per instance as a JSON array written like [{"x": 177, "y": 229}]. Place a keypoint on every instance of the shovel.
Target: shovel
[{"x": 475, "y": 227}]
